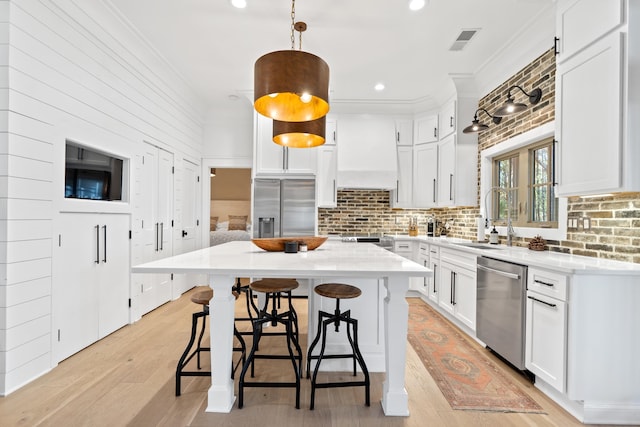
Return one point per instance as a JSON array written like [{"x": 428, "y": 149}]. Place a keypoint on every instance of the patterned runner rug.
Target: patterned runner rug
[{"x": 466, "y": 377}]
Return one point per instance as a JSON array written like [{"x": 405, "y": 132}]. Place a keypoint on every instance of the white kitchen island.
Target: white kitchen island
[{"x": 223, "y": 263}]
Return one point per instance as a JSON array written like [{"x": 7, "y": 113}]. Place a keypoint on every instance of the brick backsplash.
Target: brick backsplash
[{"x": 614, "y": 220}]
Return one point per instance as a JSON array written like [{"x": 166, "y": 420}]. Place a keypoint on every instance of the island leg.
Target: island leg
[
  {"x": 221, "y": 313},
  {"x": 395, "y": 400}
]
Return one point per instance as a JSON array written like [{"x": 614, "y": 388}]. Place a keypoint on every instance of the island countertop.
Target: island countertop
[
  {"x": 243, "y": 258},
  {"x": 223, "y": 263}
]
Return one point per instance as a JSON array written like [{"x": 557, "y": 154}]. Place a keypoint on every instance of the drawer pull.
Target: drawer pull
[
  {"x": 543, "y": 302},
  {"x": 544, "y": 283}
]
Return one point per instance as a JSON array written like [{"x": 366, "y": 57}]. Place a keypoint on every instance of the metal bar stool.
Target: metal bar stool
[
  {"x": 251, "y": 308},
  {"x": 337, "y": 291},
  {"x": 203, "y": 297},
  {"x": 273, "y": 290}
]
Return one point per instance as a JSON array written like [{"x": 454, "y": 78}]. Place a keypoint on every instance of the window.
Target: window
[{"x": 523, "y": 191}]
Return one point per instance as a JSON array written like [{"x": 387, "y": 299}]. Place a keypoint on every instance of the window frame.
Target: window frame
[
  {"x": 486, "y": 167},
  {"x": 522, "y": 190}
]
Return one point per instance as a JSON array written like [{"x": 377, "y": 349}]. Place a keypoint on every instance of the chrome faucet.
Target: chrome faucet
[{"x": 510, "y": 231}]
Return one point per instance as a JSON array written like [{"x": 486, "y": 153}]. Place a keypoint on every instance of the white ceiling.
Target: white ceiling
[{"x": 214, "y": 45}]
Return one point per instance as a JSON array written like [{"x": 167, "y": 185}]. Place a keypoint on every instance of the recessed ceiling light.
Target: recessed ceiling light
[
  {"x": 416, "y": 4},
  {"x": 379, "y": 86},
  {"x": 240, "y": 4}
]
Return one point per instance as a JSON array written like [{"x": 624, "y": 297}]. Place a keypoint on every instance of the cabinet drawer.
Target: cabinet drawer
[
  {"x": 459, "y": 258},
  {"x": 434, "y": 251},
  {"x": 402, "y": 247},
  {"x": 548, "y": 283},
  {"x": 423, "y": 250}
]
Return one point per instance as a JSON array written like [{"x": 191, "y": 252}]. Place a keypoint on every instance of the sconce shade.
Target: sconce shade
[
  {"x": 300, "y": 134},
  {"x": 476, "y": 126},
  {"x": 280, "y": 80},
  {"x": 510, "y": 107}
]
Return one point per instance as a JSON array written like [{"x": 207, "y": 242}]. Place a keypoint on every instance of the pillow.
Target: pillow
[
  {"x": 238, "y": 222},
  {"x": 213, "y": 223},
  {"x": 223, "y": 226}
]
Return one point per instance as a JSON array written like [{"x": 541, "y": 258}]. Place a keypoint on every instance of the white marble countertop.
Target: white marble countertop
[
  {"x": 333, "y": 258},
  {"x": 565, "y": 263}
]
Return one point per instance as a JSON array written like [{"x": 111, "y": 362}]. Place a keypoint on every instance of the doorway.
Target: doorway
[{"x": 230, "y": 205}]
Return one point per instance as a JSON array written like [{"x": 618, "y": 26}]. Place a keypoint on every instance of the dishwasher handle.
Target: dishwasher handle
[{"x": 499, "y": 272}]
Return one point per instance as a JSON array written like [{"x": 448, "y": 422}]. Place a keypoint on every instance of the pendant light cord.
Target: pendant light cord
[{"x": 293, "y": 20}]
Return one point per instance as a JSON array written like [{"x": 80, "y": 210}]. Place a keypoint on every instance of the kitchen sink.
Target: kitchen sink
[{"x": 479, "y": 245}]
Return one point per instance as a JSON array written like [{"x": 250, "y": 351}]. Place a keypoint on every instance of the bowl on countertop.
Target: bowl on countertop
[{"x": 276, "y": 244}]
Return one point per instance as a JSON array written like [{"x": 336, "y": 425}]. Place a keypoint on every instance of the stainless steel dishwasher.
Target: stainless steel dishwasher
[{"x": 500, "y": 312}]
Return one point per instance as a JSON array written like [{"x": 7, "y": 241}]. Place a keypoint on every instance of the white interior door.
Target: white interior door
[
  {"x": 75, "y": 299},
  {"x": 189, "y": 206}
]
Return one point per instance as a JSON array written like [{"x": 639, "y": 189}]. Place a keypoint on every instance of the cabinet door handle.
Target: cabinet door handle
[
  {"x": 450, "y": 186},
  {"x": 543, "y": 302},
  {"x": 397, "y": 137},
  {"x": 435, "y": 278},
  {"x": 397, "y": 190},
  {"x": 435, "y": 132},
  {"x": 544, "y": 283},
  {"x": 97, "y": 244},
  {"x": 104, "y": 244},
  {"x": 157, "y": 233},
  {"x": 556, "y": 43},
  {"x": 434, "y": 190},
  {"x": 334, "y": 191},
  {"x": 451, "y": 121},
  {"x": 162, "y": 236},
  {"x": 453, "y": 288}
]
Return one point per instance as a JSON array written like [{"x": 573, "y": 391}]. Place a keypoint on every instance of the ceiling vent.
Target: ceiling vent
[{"x": 463, "y": 39}]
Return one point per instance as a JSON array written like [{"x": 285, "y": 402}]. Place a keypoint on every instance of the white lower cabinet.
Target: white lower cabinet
[
  {"x": 457, "y": 286},
  {"x": 91, "y": 271},
  {"x": 546, "y": 327}
]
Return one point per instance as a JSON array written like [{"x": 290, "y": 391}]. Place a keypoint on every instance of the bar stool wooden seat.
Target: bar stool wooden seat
[
  {"x": 337, "y": 291},
  {"x": 202, "y": 298},
  {"x": 273, "y": 289}
]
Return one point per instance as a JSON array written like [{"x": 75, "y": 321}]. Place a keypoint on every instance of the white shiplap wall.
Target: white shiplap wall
[{"x": 68, "y": 69}]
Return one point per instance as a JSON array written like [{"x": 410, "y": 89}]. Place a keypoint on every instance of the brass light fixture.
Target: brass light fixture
[
  {"x": 213, "y": 172},
  {"x": 511, "y": 107},
  {"x": 300, "y": 134},
  {"x": 476, "y": 126},
  {"x": 291, "y": 85}
]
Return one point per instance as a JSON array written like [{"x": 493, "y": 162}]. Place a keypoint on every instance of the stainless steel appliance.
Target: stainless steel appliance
[
  {"x": 284, "y": 207},
  {"x": 385, "y": 242},
  {"x": 500, "y": 312}
]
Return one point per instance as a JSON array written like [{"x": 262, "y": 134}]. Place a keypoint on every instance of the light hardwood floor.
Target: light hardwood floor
[{"x": 128, "y": 379}]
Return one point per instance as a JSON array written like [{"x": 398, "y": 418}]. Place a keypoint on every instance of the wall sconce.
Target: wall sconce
[
  {"x": 476, "y": 126},
  {"x": 213, "y": 172},
  {"x": 300, "y": 134},
  {"x": 510, "y": 107}
]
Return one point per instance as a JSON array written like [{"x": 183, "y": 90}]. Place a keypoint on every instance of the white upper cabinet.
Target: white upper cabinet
[
  {"x": 597, "y": 90},
  {"x": 447, "y": 119},
  {"x": 326, "y": 177},
  {"x": 401, "y": 196},
  {"x": 331, "y": 133},
  {"x": 404, "y": 132},
  {"x": 581, "y": 22},
  {"x": 425, "y": 175},
  {"x": 271, "y": 158},
  {"x": 446, "y": 171},
  {"x": 425, "y": 129}
]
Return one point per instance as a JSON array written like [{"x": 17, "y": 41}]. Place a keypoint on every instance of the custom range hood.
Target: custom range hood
[{"x": 367, "y": 157}]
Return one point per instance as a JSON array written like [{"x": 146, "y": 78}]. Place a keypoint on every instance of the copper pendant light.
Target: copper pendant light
[
  {"x": 291, "y": 85},
  {"x": 300, "y": 134}
]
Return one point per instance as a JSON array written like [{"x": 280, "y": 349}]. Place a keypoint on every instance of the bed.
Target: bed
[{"x": 229, "y": 221}]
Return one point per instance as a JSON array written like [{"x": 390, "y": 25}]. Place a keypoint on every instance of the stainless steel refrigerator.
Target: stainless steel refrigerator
[{"x": 284, "y": 207}]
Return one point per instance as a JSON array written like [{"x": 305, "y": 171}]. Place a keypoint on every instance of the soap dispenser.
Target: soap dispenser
[{"x": 493, "y": 236}]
